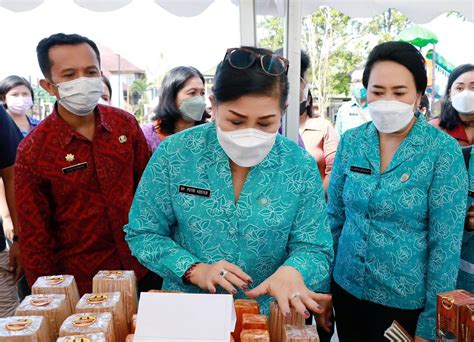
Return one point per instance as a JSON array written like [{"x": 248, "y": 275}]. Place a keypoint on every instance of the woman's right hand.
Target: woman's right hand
[{"x": 223, "y": 274}]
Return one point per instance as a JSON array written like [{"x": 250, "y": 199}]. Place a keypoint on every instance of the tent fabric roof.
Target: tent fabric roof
[{"x": 419, "y": 11}]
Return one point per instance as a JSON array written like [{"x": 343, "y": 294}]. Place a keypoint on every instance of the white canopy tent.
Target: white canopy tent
[{"x": 418, "y": 11}]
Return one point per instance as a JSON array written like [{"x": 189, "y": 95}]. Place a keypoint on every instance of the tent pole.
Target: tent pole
[
  {"x": 292, "y": 50},
  {"x": 248, "y": 32}
]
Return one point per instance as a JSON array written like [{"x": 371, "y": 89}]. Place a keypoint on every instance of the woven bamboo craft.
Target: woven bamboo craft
[
  {"x": 278, "y": 322},
  {"x": 99, "y": 337},
  {"x": 124, "y": 282},
  {"x": 24, "y": 329},
  {"x": 59, "y": 284},
  {"x": 243, "y": 306},
  {"x": 54, "y": 308},
  {"x": 106, "y": 302},
  {"x": 89, "y": 323},
  {"x": 305, "y": 333},
  {"x": 254, "y": 335}
]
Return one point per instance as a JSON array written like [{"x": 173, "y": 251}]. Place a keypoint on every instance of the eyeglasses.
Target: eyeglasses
[{"x": 242, "y": 58}]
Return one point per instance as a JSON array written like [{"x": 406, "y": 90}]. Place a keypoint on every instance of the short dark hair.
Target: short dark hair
[
  {"x": 11, "y": 82},
  {"x": 166, "y": 112},
  {"x": 401, "y": 53},
  {"x": 231, "y": 83},
  {"x": 107, "y": 84},
  {"x": 42, "y": 50},
  {"x": 449, "y": 117},
  {"x": 305, "y": 60}
]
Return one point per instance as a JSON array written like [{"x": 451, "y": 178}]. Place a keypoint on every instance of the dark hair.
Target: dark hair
[
  {"x": 11, "y": 82},
  {"x": 107, "y": 84},
  {"x": 305, "y": 60},
  {"x": 401, "y": 53},
  {"x": 449, "y": 117},
  {"x": 42, "y": 50},
  {"x": 166, "y": 112},
  {"x": 231, "y": 83}
]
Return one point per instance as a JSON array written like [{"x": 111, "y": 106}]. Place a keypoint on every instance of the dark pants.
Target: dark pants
[
  {"x": 362, "y": 320},
  {"x": 151, "y": 281},
  {"x": 324, "y": 336}
]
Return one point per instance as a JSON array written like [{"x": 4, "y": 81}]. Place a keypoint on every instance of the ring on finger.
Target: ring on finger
[
  {"x": 295, "y": 295},
  {"x": 223, "y": 273}
]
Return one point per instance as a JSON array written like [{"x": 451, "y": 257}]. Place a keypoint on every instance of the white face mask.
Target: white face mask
[
  {"x": 193, "y": 108},
  {"x": 246, "y": 147},
  {"x": 80, "y": 96},
  {"x": 19, "y": 105},
  {"x": 463, "y": 102},
  {"x": 390, "y": 116}
]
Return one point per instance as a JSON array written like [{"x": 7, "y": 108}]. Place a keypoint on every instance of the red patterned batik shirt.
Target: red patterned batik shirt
[{"x": 73, "y": 196}]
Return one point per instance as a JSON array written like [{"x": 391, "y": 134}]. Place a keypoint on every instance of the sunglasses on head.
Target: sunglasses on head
[{"x": 242, "y": 58}]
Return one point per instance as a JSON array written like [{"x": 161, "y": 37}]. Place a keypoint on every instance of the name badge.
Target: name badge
[
  {"x": 74, "y": 167},
  {"x": 363, "y": 170},
  {"x": 470, "y": 193},
  {"x": 194, "y": 191}
]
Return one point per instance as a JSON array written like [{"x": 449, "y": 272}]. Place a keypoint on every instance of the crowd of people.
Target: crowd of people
[{"x": 373, "y": 217}]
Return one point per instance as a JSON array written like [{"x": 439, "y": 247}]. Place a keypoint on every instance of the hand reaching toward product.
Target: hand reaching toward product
[
  {"x": 222, "y": 273},
  {"x": 286, "y": 285}
]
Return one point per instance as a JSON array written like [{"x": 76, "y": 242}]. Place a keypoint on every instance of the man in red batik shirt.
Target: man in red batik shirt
[{"x": 76, "y": 173}]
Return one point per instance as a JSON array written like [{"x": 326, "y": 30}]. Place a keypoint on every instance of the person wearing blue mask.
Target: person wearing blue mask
[
  {"x": 232, "y": 205},
  {"x": 181, "y": 105},
  {"x": 396, "y": 206},
  {"x": 354, "y": 112}
]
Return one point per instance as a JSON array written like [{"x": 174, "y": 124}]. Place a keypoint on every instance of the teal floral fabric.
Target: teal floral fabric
[
  {"x": 466, "y": 271},
  {"x": 397, "y": 234},
  {"x": 280, "y": 218}
]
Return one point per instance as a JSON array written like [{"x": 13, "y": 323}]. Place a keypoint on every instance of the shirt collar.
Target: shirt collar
[{"x": 66, "y": 133}]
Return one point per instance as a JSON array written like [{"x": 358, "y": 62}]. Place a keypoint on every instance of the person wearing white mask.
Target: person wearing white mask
[
  {"x": 457, "y": 106},
  {"x": 396, "y": 205},
  {"x": 17, "y": 96},
  {"x": 76, "y": 173},
  {"x": 233, "y": 207},
  {"x": 181, "y": 105}
]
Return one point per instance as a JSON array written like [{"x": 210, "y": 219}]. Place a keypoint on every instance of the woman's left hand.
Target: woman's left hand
[{"x": 286, "y": 285}]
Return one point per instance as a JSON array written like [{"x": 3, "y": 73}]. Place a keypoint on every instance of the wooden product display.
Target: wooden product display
[
  {"x": 124, "y": 282},
  {"x": 278, "y": 321},
  {"x": 252, "y": 321},
  {"x": 24, "y": 329},
  {"x": 129, "y": 338},
  {"x": 58, "y": 284},
  {"x": 449, "y": 304},
  {"x": 305, "y": 333},
  {"x": 99, "y": 337},
  {"x": 106, "y": 302},
  {"x": 54, "y": 308},
  {"x": 467, "y": 323},
  {"x": 134, "y": 324},
  {"x": 243, "y": 306},
  {"x": 254, "y": 335},
  {"x": 89, "y": 323}
]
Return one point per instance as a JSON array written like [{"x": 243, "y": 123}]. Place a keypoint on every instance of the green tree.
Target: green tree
[
  {"x": 385, "y": 26},
  {"x": 138, "y": 90}
]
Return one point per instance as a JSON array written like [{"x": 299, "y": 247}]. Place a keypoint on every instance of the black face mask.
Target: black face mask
[{"x": 303, "y": 107}]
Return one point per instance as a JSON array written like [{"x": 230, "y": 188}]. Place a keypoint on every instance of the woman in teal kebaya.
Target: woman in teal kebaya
[
  {"x": 232, "y": 205},
  {"x": 397, "y": 202}
]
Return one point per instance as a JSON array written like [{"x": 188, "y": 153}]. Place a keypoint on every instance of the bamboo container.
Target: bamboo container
[
  {"x": 252, "y": 321},
  {"x": 243, "y": 306},
  {"x": 124, "y": 282},
  {"x": 129, "y": 338},
  {"x": 254, "y": 335},
  {"x": 305, "y": 333},
  {"x": 89, "y": 323},
  {"x": 54, "y": 308},
  {"x": 278, "y": 321},
  {"x": 99, "y": 337},
  {"x": 106, "y": 302},
  {"x": 58, "y": 284},
  {"x": 24, "y": 329}
]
